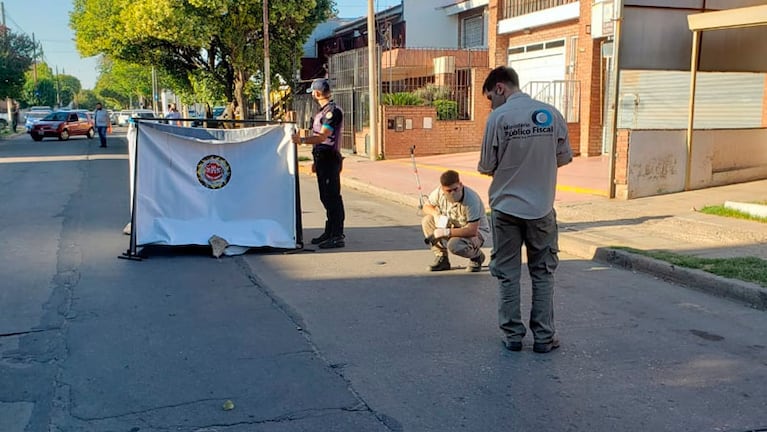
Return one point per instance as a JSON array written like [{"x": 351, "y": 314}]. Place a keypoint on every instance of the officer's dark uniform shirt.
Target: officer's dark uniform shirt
[{"x": 332, "y": 117}]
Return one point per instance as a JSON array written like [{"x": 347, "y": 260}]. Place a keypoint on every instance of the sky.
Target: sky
[{"x": 48, "y": 20}]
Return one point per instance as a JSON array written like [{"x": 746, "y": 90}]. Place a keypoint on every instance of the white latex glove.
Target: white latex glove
[
  {"x": 441, "y": 232},
  {"x": 440, "y": 221}
]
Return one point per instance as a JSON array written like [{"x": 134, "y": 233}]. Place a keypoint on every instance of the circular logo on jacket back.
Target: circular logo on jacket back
[
  {"x": 542, "y": 118},
  {"x": 213, "y": 172}
]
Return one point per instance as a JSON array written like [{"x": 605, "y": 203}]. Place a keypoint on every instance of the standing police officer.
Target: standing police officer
[{"x": 327, "y": 131}]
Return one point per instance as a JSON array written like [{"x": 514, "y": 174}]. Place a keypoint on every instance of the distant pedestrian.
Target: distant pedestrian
[
  {"x": 455, "y": 221},
  {"x": 173, "y": 115},
  {"x": 327, "y": 133},
  {"x": 525, "y": 142},
  {"x": 102, "y": 122}
]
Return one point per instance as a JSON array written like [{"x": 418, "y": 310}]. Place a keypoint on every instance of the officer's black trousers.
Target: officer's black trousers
[{"x": 327, "y": 164}]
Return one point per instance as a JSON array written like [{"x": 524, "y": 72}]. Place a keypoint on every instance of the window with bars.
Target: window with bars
[{"x": 473, "y": 31}]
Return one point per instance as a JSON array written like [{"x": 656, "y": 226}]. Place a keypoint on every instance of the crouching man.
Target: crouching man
[{"x": 455, "y": 221}]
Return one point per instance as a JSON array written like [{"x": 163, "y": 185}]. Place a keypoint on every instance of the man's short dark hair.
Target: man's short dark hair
[
  {"x": 501, "y": 74},
  {"x": 448, "y": 178}
]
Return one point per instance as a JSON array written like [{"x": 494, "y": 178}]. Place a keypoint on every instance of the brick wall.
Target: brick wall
[
  {"x": 497, "y": 46},
  {"x": 445, "y": 136},
  {"x": 574, "y": 132},
  {"x": 622, "y": 156},
  {"x": 589, "y": 73}
]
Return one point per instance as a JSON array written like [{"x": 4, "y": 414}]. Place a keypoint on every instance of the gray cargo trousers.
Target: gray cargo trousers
[
  {"x": 467, "y": 247},
  {"x": 540, "y": 237}
]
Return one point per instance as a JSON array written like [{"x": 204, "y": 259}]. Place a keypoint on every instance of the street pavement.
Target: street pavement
[
  {"x": 591, "y": 225},
  {"x": 355, "y": 339}
]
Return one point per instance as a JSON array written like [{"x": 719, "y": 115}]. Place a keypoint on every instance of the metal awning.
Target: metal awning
[{"x": 730, "y": 18}]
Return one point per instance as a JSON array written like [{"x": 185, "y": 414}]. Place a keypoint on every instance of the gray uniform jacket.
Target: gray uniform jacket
[{"x": 525, "y": 142}]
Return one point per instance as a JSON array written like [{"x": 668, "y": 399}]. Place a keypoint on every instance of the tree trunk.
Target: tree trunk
[{"x": 239, "y": 87}]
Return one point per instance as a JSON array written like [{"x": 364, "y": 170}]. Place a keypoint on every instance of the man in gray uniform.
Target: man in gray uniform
[
  {"x": 525, "y": 142},
  {"x": 455, "y": 221}
]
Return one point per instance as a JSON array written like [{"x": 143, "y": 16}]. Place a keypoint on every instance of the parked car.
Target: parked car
[
  {"x": 218, "y": 111},
  {"x": 142, "y": 114},
  {"x": 62, "y": 125},
  {"x": 32, "y": 117},
  {"x": 123, "y": 116}
]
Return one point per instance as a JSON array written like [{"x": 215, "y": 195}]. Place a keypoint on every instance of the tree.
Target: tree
[
  {"x": 199, "y": 40},
  {"x": 87, "y": 99},
  {"x": 16, "y": 55}
]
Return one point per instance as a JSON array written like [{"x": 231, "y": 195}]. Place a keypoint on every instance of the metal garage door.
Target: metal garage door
[{"x": 543, "y": 61}]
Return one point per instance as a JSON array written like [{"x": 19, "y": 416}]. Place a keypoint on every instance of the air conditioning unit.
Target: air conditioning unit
[
  {"x": 602, "y": 15},
  {"x": 444, "y": 65}
]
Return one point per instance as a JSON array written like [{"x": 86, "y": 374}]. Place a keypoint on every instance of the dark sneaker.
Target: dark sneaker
[
  {"x": 320, "y": 239},
  {"x": 475, "y": 264},
  {"x": 440, "y": 263},
  {"x": 512, "y": 345},
  {"x": 333, "y": 242},
  {"x": 544, "y": 347}
]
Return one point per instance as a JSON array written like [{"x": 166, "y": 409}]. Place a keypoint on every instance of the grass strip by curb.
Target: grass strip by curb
[
  {"x": 720, "y": 210},
  {"x": 749, "y": 269}
]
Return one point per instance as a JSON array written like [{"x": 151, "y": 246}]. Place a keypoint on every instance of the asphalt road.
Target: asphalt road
[{"x": 354, "y": 339}]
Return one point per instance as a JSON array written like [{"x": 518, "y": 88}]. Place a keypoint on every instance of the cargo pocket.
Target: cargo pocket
[{"x": 551, "y": 260}]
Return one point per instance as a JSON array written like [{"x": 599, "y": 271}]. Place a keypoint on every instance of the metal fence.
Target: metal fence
[
  {"x": 446, "y": 80},
  {"x": 513, "y": 8},
  {"x": 563, "y": 95}
]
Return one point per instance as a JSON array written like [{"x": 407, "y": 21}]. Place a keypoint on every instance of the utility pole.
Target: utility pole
[
  {"x": 58, "y": 95},
  {"x": 8, "y": 105},
  {"x": 34, "y": 60},
  {"x": 372, "y": 82},
  {"x": 267, "y": 68}
]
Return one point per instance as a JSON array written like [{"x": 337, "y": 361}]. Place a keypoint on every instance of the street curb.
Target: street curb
[{"x": 749, "y": 293}]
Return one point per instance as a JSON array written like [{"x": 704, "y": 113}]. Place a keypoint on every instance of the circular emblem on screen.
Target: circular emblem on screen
[
  {"x": 542, "y": 118},
  {"x": 213, "y": 172}
]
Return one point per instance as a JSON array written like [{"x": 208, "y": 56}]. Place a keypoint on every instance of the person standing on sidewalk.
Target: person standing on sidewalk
[
  {"x": 327, "y": 132},
  {"x": 525, "y": 141},
  {"x": 455, "y": 221},
  {"x": 101, "y": 120}
]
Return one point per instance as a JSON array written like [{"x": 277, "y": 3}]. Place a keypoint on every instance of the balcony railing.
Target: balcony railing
[{"x": 514, "y": 8}]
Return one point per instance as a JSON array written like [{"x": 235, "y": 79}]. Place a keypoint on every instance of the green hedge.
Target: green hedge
[
  {"x": 446, "y": 109},
  {"x": 401, "y": 99}
]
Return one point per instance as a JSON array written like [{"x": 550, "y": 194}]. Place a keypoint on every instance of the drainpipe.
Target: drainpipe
[{"x": 615, "y": 74}]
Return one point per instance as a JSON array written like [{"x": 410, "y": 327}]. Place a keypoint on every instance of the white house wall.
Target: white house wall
[{"x": 427, "y": 26}]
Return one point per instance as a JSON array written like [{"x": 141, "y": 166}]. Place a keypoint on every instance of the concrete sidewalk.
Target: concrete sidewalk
[{"x": 591, "y": 225}]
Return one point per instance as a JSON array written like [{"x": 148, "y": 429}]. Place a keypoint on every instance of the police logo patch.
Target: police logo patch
[
  {"x": 329, "y": 115},
  {"x": 213, "y": 172}
]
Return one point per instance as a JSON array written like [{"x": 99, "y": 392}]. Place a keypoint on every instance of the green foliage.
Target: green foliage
[
  {"x": 446, "y": 109},
  {"x": 751, "y": 269},
  {"x": 87, "y": 99},
  {"x": 433, "y": 92},
  {"x": 44, "y": 93},
  {"x": 401, "y": 99},
  {"x": 196, "y": 41},
  {"x": 16, "y": 56}
]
